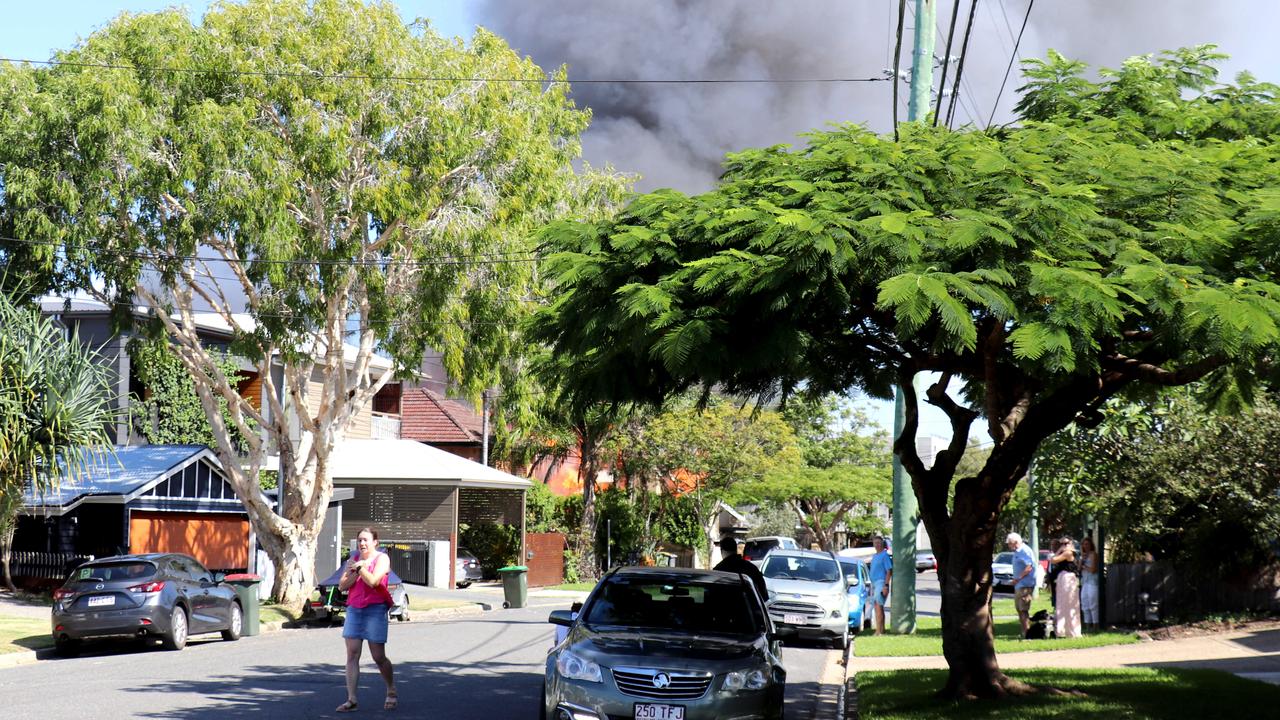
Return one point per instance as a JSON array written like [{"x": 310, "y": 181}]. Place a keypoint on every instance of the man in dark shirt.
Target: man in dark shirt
[{"x": 734, "y": 563}]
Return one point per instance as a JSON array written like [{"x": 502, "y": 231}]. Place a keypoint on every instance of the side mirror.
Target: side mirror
[
  {"x": 219, "y": 577},
  {"x": 563, "y": 618},
  {"x": 851, "y": 581}
]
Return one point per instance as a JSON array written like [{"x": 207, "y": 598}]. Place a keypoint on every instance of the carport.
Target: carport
[{"x": 413, "y": 493}]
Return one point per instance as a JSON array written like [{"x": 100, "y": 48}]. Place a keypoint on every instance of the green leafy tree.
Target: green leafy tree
[
  {"x": 360, "y": 183},
  {"x": 54, "y": 411},
  {"x": 825, "y": 498},
  {"x": 1119, "y": 238}
]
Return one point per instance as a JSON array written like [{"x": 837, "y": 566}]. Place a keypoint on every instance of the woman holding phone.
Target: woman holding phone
[{"x": 365, "y": 580}]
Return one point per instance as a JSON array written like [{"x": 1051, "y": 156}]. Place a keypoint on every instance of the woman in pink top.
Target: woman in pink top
[{"x": 368, "y": 600}]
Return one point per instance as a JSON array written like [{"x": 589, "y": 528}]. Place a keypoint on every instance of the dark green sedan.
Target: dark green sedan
[{"x": 666, "y": 644}]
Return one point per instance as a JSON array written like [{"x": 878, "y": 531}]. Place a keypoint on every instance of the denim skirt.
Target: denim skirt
[{"x": 366, "y": 623}]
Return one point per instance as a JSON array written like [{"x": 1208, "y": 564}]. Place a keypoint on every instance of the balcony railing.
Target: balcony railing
[{"x": 384, "y": 427}]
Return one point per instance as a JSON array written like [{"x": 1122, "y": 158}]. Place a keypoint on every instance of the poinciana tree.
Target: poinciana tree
[
  {"x": 354, "y": 184},
  {"x": 1120, "y": 237}
]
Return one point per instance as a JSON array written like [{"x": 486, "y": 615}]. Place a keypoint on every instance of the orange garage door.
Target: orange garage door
[{"x": 217, "y": 541}]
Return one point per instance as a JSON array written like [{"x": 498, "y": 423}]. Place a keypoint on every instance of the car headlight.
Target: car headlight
[
  {"x": 749, "y": 679},
  {"x": 573, "y": 667}
]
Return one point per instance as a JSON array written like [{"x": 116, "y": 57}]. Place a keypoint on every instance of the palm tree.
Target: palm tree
[{"x": 54, "y": 413}]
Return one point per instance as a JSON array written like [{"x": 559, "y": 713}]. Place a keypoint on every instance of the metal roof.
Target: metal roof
[
  {"x": 410, "y": 462},
  {"x": 119, "y": 476}
]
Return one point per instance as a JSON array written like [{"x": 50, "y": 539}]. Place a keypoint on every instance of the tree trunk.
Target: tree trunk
[
  {"x": 6, "y": 546},
  {"x": 295, "y": 561},
  {"x": 587, "y": 564},
  {"x": 968, "y": 639}
]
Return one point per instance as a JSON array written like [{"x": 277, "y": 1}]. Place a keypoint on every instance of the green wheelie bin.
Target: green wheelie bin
[
  {"x": 246, "y": 585},
  {"x": 515, "y": 586}
]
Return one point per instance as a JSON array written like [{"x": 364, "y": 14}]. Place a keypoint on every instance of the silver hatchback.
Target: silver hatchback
[
  {"x": 166, "y": 596},
  {"x": 666, "y": 644}
]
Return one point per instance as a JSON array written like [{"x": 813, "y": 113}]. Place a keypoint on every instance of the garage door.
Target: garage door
[{"x": 217, "y": 541}]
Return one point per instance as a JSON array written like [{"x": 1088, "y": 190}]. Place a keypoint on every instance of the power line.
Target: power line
[
  {"x": 964, "y": 52},
  {"x": 946, "y": 60},
  {"x": 996, "y": 104},
  {"x": 448, "y": 78},
  {"x": 495, "y": 258}
]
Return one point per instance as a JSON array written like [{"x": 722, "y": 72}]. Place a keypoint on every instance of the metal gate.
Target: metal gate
[{"x": 408, "y": 559}]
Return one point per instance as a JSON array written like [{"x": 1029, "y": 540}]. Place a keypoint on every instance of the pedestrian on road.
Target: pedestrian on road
[
  {"x": 734, "y": 563},
  {"x": 881, "y": 577},
  {"x": 1024, "y": 579},
  {"x": 368, "y": 602},
  {"x": 1089, "y": 584},
  {"x": 1066, "y": 612}
]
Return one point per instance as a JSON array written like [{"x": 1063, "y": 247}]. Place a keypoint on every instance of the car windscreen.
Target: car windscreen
[
  {"x": 666, "y": 604},
  {"x": 790, "y": 567},
  {"x": 126, "y": 570},
  {"x": 1004, "y": 559}
]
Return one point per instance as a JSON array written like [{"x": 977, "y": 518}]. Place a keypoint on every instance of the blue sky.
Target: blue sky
[{"x": 34, "y": 30}]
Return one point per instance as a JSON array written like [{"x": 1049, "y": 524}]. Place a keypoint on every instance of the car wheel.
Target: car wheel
[
  {"x": 66, "y": 647},
  {"x": 404, "y": 610},
  {"x": 842, "y": 641},
  {"x": 462, "y": 585},
  {"x": 236, "y": 625},
  {"x": 176, "y": 638}
]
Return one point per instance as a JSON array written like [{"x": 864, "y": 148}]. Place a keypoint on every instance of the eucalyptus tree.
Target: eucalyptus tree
[
  {"x": 355, "y": 185},
  {"x": 54, "y": 411},
  {"x": 1119, "y": 238}
]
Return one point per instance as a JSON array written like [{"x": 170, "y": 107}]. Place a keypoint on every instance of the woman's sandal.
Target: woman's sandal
[
  {"x": 348, "y": 706},
  {"x": 391, "y": 702}
]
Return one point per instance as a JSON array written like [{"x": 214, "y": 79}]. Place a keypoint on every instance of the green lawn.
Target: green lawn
[
  {"x": 927, "y": 640},
  {"x": 1132, "y": 693},
  {"x": 23, "y": 633},
  {"x": 582, "y": 586}
]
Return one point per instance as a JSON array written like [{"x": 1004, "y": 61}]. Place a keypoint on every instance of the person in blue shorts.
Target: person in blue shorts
[{"x": 881, "y": 576}]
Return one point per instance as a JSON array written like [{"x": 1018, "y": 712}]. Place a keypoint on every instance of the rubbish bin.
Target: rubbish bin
[
  {"x": 246, "y": 585},
  {"x": 515, "y": 586}
]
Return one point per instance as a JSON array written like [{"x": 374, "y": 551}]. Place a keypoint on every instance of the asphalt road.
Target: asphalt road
[{"x": 481, "y": 667}]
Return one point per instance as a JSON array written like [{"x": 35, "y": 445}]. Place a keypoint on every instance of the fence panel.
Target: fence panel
[
  {"x": 44, "y": 565},
  {"x": 1178, "y": 591}
]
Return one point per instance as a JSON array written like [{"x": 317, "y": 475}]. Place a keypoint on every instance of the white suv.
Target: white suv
[
  {"x": 808, "y": 595},
  {"x": 755, "y": 548}
]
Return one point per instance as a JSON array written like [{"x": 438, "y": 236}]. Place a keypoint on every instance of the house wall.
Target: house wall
[{"x": 360, "y": 422}]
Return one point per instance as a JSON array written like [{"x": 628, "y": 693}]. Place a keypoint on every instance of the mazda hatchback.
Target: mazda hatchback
[{"x": 164, "y": 596}]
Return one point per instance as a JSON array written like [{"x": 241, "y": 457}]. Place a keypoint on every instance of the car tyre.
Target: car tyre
[
  {"x": 236, "y": 625},
  {"x": 66, "y": 647},
  {"x": 404, "y": 610},
  {"x": 842, "y": 641},
  {"x": 176, "y": 638},
  {"x": 462, "y": 585}
]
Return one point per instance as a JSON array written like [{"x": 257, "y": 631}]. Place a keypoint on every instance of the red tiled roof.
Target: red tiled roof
[{"x": 428, "y": 417}]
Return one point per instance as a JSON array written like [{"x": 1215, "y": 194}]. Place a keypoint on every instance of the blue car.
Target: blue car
[{"x": 859, "y": 589}]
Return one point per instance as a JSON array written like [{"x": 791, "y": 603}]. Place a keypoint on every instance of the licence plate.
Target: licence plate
[
  {"x": 650, "y": 711},
  {"x": 793, "y": 619},
  {"x": 101, "y": 600}
]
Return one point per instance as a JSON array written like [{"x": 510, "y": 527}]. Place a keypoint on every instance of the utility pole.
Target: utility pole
[
  {"x": 902, "y": 600},
  {"x": 1033, "y": 532},
  {"x": 484, "y": 432}
]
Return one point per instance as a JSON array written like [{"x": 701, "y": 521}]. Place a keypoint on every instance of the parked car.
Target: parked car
[
  {"x": 159, "y": 595},
  {"x": 755, "y": 548},
  {"x": 467, "y": 569},
  {"x": 1002, "y": 571},
  {"x": 666, "y": 643},
  {"x": 859, "y": 582},
  {"x": 808, "y": 595},
  {"x": 925, "y": 561}
]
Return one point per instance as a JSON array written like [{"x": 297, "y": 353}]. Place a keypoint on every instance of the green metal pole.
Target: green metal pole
[
  {"x": 902, "y": 593},
  {"x": 1033, "y": 529}
]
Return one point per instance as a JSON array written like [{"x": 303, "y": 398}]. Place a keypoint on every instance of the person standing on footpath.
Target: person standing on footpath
[
  {"x": 368, "y": 602},
  {"x": 1089, "y": 584},
  {"x": 1066, "y": 611},
  {"x": 881, "y": 577},
  {"x": 1024, "y": 579},
  {"x": 734, "y": 563}
]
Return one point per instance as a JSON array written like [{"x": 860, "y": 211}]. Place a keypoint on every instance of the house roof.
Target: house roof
[
  {"x": 411, "y": 462},
  {"x": 131, "y": 471},
  {"x": 430, "y": 417}
]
